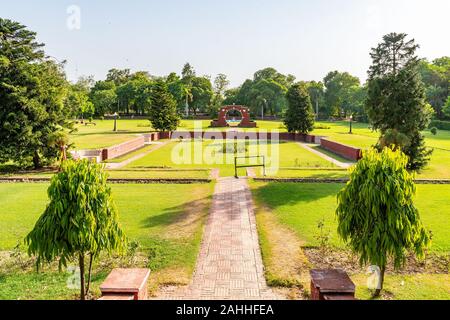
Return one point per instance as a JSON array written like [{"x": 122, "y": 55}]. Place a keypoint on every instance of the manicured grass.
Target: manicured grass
[
  {"x": 408, "y": 287},
  {"x": 99, "y": 141},
  {"x": 131, "y": 154},
  {"x": 165, "y": 219},
  {"x": 362, "y": 136},
  {"x": 159, "y": 174},
  {"x": 309, "y": 173},
  {"x": 439, "y": 166},
  {"x": 301, "y": 205},
  {"x": 102, "y": 135},
  {"x": 287, "y": 216},
  {"x": 208, "y": 154}
]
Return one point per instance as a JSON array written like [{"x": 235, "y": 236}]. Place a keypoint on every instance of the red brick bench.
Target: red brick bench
[
  {"x": 125, "y": 284},
  {"x": 331, "y": 284}
]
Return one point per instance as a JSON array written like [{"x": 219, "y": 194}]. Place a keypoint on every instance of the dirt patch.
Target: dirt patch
[
  {"x": 284, "y": 260},
  {"x": 169, "y": 277},
  {"x": 193, "y": 216},
  {"x": 344, "y": 259}
]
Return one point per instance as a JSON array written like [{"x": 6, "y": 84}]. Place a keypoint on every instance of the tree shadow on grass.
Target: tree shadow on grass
[
  {"x": 182, "y": 220},
  {"x": 277, "y": 194}
]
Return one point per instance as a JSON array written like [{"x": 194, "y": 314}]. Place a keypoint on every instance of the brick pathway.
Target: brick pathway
[{"x": 229, "y": 265}]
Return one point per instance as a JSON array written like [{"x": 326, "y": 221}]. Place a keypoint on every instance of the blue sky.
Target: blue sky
[{"x": 305, "y": 38}]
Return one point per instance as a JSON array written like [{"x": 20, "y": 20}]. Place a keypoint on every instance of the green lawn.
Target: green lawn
[
  {"x": 159, "y": 173},
  {"x": 209, "y": 154},
  {"x": 99, "y": 141},
  {"x": 287, "y": 215},
  {"x": 166, "y": 219},
  {"x": 101, "y": 135},
  {"x": 301, "y": 205},
  {"x": 310, "y": 173},
  {"x": 408, "y": 287},
  {"x": 129, "y": 155}
]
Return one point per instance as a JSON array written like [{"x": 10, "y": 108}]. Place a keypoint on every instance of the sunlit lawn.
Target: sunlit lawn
[
  {"x": 209, "y": 154},
  {"x": 101, "y": 135},
  {"x": 99, "y": 141},
  {"x": 301, "y": 205},
  {"x": 160, "y": 217},
  {"x": 159, "y": 173},
  {"x": 287, "y": 216},
  {"x": 132, "y": 154}
]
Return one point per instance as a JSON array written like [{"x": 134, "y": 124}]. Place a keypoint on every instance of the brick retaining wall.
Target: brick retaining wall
[
  {"x": 123, "y": 148},
  {"x": 343, "y": 150},
  {"x": 252, "y": 135}
]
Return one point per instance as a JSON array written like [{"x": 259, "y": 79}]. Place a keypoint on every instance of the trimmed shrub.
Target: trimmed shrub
[
  {"x": 440, "y": 124},
  {"x": 434, "y": 131}
]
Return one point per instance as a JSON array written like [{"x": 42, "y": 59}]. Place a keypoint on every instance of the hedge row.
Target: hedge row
[{"x": 441, "y": 125}]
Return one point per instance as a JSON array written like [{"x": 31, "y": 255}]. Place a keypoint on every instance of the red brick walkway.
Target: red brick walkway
[{"x": 229, "y": 265}]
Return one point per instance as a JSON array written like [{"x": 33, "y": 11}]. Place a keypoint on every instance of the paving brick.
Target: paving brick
[{"x": 229, "y": 265}]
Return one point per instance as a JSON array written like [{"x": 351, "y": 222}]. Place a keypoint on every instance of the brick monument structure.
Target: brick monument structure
[{"x": 224, "y": 119}]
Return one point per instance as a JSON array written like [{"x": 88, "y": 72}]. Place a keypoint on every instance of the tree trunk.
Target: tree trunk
[
  {"x": 37, "y": 160},
  {"x": 89, "y": 275},
  {"x": 81, "y": 261},
  {"x": 378, "y": 290}
]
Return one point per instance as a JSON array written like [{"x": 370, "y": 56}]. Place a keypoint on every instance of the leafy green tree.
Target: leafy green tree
[
  {"x": 396, "y": 95},
  {"x": 220, "y": 86},
  {"x": 33, "y": 91},
  {"x": 436, "y": 78},
  {"x": 230, "y": 96},
  {"x": 340, "y": 94},
  {"x": 178, "y": 90},
  {"x": 446, "y": 108},
  {"x": 142, "y": 94},
  {"x": 79, "y": 103},
  {"x": 376, "y": 214},
  {"x": 202, "y": 94},
  {"x": 316, "y": 91},
  {"x": 188, "y": 73},
  {"x": 80, "y": 220},
  {"x": 118, "y": 76},
  {"x": 299, "y": 115},
  {"x": 163, "y": 111},
  {"x": 105, "y": 101},
  {"x": 187, "y": 76},
  {"x": 265, "y": 94},
  {"x": 125, "y": 96}
]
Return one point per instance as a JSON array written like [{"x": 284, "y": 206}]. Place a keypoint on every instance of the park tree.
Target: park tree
[
  {"x": 33, "y": 91},
  {"x": 79, "y": 221},
  {"x": 340, "y": 91},
  {"x": 178, "y": 90},
  {"x": 446, "y": 108},
  {"x": 163, "y": 110},
  {"x": 118, "y": 76},
  {"x": 316, "y": 91},
  {"x": 396, "y": 95},
  {"x": 220, "y": 86},
  {"x": 187, "y": 76},
  {"x": 376, "y": 214},
  {"x": 230, "y": 96},
  {"x": 202, "y": 94},
  {"x": 436, "y": 78},
  {"x": 265, "y": 94},
  {"x": 105, "y": 101},
  {"x": 78, "y": 102},
  {"x": 299, "y": 116}
]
